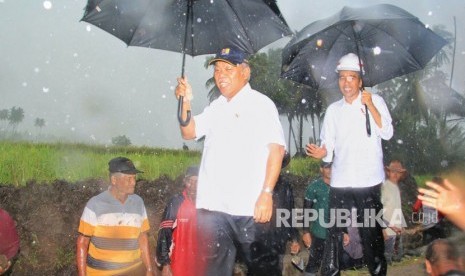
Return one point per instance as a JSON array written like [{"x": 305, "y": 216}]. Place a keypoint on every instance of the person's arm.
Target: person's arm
[
  {"x": 145, "y": 253},
  {"x": 447, "y": 199},
  {"x": 380, "y": 114},
  {"x": 368, "y": 101},
  {"x": 264, "y": 205},
  {"x": 184, "y": 89},
  {"x": 82, "y": 246}
]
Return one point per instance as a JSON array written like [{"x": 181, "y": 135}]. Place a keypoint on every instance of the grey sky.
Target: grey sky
[{"x": 90, "y": 87}]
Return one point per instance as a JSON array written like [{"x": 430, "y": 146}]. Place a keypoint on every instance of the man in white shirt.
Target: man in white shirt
[
  {"x": 241, "y": 161},
  {"x": 392, "y": 211},
  {"x": 357, "y": 157}
]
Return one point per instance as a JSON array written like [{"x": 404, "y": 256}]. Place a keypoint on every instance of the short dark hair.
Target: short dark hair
[{"x": 441, "y": 250}]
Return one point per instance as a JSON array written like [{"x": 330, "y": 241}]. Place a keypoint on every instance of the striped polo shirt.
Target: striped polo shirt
[{"x": 114, "y": 229}]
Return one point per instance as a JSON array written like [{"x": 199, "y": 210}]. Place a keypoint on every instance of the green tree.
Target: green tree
[
  {"x": 423, "y": 108},
  {"x": 39, "y": 123},
  {"x": 16, "y": 116},
  {"x": 121, "y": 140}
]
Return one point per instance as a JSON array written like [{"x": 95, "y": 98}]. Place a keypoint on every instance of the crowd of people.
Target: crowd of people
[{"x": 226, "y": 213}]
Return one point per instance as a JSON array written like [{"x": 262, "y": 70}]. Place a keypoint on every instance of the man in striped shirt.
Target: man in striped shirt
[{"x": 113, "y": 228}]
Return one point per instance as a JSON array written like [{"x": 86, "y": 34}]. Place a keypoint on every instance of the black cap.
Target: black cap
[
  {"x": 192, "y": 171},
  {"x": 230, "y": 55},
  {"x": 324, "y": 164},
  {"x": 122, "y": 165}
]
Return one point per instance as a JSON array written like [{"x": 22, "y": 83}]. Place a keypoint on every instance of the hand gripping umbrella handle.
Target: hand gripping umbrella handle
[
  {"x": 367, "y": 121},
  {"x": 188, "y": 117}
]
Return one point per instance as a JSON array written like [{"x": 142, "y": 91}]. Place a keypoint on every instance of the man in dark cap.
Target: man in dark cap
[
  {"x": 113, "y": 227},
  {"x": 241, "y": 160},
  {"x": 177, "y": 236}
]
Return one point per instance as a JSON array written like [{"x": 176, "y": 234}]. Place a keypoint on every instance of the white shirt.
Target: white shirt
[
  {"x": 237, "y": 134},
  {"x": 392, "y": 206},
  {"x": 357, "y": 159}
]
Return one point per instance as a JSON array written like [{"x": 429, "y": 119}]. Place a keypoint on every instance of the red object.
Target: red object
[
  {"x": 183, "y": 259},
  {"x": 9, "y": 239}
]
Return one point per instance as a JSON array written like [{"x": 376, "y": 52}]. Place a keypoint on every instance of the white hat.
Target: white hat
[{"x": 350, "y": 62}]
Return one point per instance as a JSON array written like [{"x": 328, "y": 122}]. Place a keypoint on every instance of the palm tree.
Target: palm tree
[
  {"x": 15, "y": 117},
  {"x": 40, "y": 123}
]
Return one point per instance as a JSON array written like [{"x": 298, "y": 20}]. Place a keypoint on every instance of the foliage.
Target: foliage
[
  {"x": 21, "y": 162},
  {"x": 121, "y": 140}
]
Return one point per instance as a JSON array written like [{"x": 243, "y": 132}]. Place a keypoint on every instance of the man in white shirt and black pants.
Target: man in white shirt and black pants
[{"x": 357, "y": 157}]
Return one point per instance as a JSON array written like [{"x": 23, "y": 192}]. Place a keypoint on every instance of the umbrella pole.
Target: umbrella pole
[
  {"x": 181, "y": 98},
  {"x": 367, "y": 116}
]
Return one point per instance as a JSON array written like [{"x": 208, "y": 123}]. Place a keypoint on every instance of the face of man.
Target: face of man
[
  {"x": 123, "y": 184},
  {"x": 326, "y": 173},
  {"x": 395, "y": 173},
  {"x": 349, "y": 85},
  {"x": 229, "y": 78},
  {"x": 191, "y": 185}
]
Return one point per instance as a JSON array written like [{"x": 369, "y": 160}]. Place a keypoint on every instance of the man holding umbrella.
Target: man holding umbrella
[
  {"x": 357, "y": 171},
  {"x": 241, "y": 161}
]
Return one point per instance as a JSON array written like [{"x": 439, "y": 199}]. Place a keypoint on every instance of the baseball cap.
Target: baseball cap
[
  {"x": 192, "y": 171},
  {"x": 350, "y": 62},
  {"x": 324, "y": 164},
  {"x": 122, "y": 165},
  {"x": 230, "y": 55}
]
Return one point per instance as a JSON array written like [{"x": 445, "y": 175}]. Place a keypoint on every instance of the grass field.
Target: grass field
[{"x": 21, "y": 162}]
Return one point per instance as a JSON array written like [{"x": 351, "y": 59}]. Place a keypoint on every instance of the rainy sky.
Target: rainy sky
[{"x": 89, "y": 87}]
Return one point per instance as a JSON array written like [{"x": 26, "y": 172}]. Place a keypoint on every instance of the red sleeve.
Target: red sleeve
[{"x": 417, "y": 206}]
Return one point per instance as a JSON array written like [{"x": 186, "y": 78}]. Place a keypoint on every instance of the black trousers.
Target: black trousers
[
  {"x": 315, "y": 255},
  {"x": 221, "y": 238},
  {"x": 367, "y": 201}
]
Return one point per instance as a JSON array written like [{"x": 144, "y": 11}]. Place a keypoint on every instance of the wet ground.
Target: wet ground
[{"x": 48, "y": 215}]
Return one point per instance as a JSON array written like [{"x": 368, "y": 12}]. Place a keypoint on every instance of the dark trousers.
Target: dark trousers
[
  {"x": 371, "y": 234},
  {"x": 315, "y": 255},
  {"x": 221, "y": 237}
]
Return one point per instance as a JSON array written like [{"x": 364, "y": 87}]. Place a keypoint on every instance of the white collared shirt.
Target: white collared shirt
[
  {"x": 357, "y": 159},
  {"x": 237, "y": 134}
]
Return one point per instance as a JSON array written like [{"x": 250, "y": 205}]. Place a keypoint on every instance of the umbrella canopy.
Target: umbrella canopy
[
  {"x": 390, "y": 42},
  {"x": 210, "y": 25},
  {"x": 193, "y": 27}
]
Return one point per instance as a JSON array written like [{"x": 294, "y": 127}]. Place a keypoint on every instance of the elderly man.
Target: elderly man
[
  {"x": 442, "y": 258},
  {"x": 241, "y": 161},
  {"x": 113, "y": 228},
  {"x": 177, "y": 236},
  {"x": 357, "y": 171}
]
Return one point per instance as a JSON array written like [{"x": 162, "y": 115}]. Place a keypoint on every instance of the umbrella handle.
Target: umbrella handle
[
  {"x": 188, "y": 117},
  {"x": 367, "y": 121}
]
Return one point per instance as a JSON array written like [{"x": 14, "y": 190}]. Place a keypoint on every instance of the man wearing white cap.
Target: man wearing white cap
[{"x": 357, "y": 170}]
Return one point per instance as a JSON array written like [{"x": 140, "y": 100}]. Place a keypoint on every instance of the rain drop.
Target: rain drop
[
  {"x": 430, "y": 13},
  {"x": 75, "y": 55},
  {"x": 444, "y": 163},
  {"x": 36, "y": 70},
  {"x": 24, "y": 84},
  {"x": 163, "y": 96},
  {"x": 199, "y": 20},
  {"x": 92, "y": 137},
  {"x": 304, "y": 101},
  {"x": 47, "y": 5},
  {"x": 376, "y": 50},
  {"x": 45, "y": 89},
  {"x": 73, "y": 129},
  {"x": 319, "y": 43},
  {"x": 88, "y": 28},
  {"x": 400, "y": 142}
]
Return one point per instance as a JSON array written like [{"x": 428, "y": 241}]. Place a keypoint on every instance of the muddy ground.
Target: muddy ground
[{"x": 47, "y": 217}]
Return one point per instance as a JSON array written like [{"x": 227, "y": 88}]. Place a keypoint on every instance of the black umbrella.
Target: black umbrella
[
  {"x": 390, "y": 41},
  {"x": 193, "y": 27}
]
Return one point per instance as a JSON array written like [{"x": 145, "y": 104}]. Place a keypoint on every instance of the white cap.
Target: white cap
[{"x": 350, "y": 62}]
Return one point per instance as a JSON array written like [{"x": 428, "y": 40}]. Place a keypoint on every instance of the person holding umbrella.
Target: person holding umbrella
[
  {"x": 357, "y": 170},
  {"x": 241, "y": 161}
]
